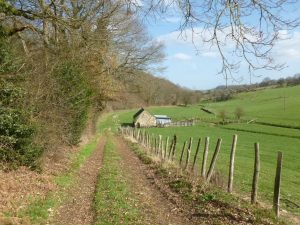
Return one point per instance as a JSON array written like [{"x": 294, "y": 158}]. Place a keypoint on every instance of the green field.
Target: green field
[{"x": 267, "y": 107}]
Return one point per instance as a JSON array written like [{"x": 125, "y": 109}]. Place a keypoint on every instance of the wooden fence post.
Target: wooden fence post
[
  {"x": 170, "y": 150},
  {"x": 148, "y": 141},
  {"x": 255, "y": 174},
  {"x": 213, "y": 160},
  {"x": 159, "y": 144},
  {"x": 181, "y": 156},
  {"x": 203, "y": 168},
  {"x": 188, "y": 153},
  {"x": 231, "y": 165},
  {"x": 155, "y": 145},
  {"x": 276, "y": 199},
  {"x": 196, "y": 153},
  {"x": 166, "y": 148},
  {"x": 174, "y": 147},
  {"x": 144, "y": 138},
  {"x": 152, "y": 143},
  {"x": 161, "y": 150}
]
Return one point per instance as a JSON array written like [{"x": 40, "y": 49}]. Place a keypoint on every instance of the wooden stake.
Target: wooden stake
[
  {"x": 205, "y": 153},
  {"x": 181, "y": 156},
  {"x": 155, "y": 144},
  {"x": 196, "y": 153},
  {"x": 174, "y": 147},
  {"x": 161, "y": 151},
  {"x": 166, "y": 148},
  {"x": 188, "y": 153},
  {"x": 231, "y": 165},
  {"x": 276, "y": 199},
  {"x": 213, "y": 160},
  {"x": 138, "y": 135},
  {"x": 170, "y": 150},
  {"x": 255, "y": 174},
  {"x": 159, "y": 145}
]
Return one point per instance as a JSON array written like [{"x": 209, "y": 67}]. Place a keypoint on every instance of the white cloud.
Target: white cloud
[
  {"x": 210, "y": 54},
  {"x": 182, "y": 56},
  {"x": 289, "y": 48}
]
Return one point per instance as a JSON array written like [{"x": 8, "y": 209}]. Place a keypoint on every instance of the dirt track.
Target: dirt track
[
  {"x": 156, "y": 208},
  {"x": 77, "y": 209}
]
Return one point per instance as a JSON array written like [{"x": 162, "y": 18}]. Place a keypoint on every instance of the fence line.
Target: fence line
[
  {"x": 178, "y": 124},
  {"x": 155, "y": 145}
]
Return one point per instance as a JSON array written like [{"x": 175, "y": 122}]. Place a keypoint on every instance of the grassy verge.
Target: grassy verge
[
  {"x": 38, "y": 211},
  {"x": 114, "y": 203}
]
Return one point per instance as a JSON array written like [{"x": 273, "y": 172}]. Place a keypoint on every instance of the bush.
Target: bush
[
  {"x": 73, "y": 95},
  {"x": 16, "y": 130},
  {"x": 223, "y": 115},
  {"x": 239, "y": 113},
  {"x": 223, "y": 95}
]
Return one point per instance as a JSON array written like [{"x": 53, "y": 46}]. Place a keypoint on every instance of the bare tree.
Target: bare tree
[
  {"x": 239, "y": 113},
  {"x": 251, "y": 28},
  {"x": 223, "y": 115}
]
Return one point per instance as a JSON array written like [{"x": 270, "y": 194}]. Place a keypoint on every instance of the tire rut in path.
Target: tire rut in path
[
  {"x": 156, "y": 208},
  {"x": 78, "y": 207}
]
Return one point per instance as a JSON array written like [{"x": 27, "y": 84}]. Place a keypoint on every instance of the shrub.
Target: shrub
[
  {"x": 239, "y": 113},
  {"x": 16, "y": 130},
  {"x": 73, "y": 95},
  {"x": 223, "y": 115}
]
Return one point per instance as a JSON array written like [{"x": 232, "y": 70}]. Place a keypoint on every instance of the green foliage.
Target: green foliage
[
  {"x": 208, "y": 197},
  {"x": 74, "y": 97},
  {"x": 16, "y": 129},
  {"x": 6, "y": 57}
]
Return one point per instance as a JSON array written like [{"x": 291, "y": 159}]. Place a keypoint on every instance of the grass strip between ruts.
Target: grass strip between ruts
[{"x": 114, "y": 203}]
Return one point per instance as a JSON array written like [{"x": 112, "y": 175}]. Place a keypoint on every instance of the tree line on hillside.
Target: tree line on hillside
[
  {"x": 143, "y": 89},
  {"x": 223, "y": 93},
  {"x": 60, "y": 63}
]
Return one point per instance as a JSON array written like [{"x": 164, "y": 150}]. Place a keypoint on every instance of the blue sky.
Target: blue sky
[{"x": 199, "y": 69}]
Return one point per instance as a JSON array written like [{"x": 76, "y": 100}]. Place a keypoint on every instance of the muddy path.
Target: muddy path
[
  {"x": 78, "y": 206},
  {"x": 154, "y": 206}
]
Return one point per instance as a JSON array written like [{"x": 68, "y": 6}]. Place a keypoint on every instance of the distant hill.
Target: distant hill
[{"x": 144, "y": 89}]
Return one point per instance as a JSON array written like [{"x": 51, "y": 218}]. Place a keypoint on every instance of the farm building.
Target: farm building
[
  {"x": 143, "y": 119},
  {"x": 162, "y": 120}
]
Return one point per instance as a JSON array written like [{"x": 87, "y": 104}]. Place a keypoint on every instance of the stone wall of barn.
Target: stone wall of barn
[{"x": 145, "y": 119}]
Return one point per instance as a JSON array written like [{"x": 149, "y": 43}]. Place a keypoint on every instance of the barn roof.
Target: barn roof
[
  {"x": 161, "y": 117},
  {"x": 138, "y": 112}
]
